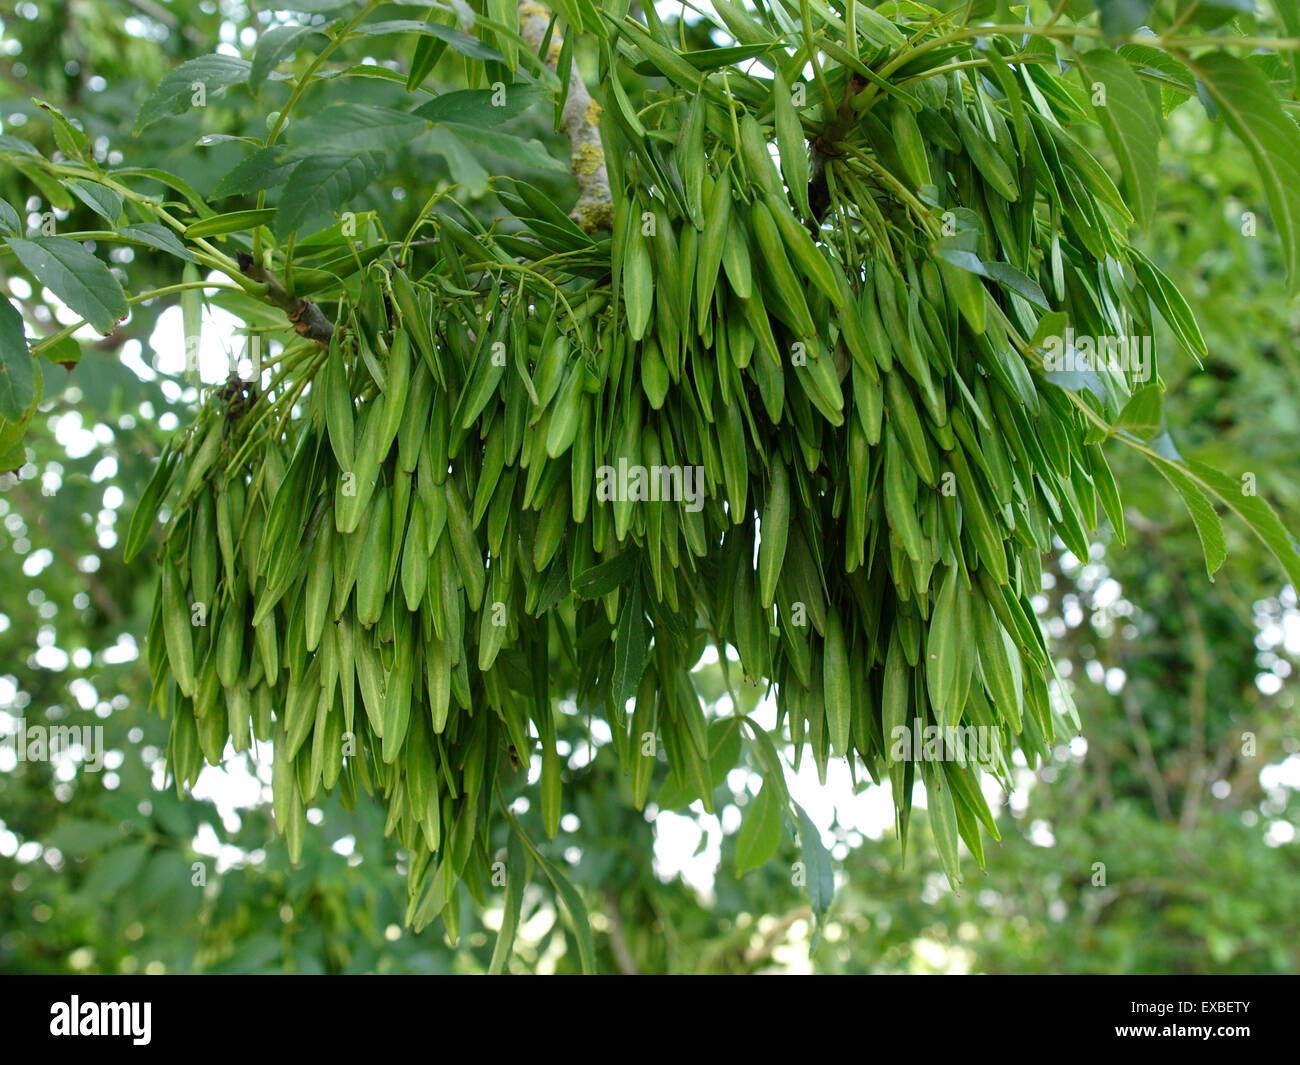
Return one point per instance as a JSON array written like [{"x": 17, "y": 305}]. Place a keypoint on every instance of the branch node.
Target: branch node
[{"x": 307, "y": 319}]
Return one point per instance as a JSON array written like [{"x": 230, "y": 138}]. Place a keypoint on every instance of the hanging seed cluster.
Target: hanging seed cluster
[{"x": 399, "y": 581}]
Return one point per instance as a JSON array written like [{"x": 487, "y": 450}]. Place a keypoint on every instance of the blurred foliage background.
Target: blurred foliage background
[{"x": 1163, "y": 840}]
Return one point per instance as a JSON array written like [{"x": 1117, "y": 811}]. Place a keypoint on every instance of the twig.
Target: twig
[
  {"x": 1146, "y": 756},
  {"x": 824, "y": 148},
  {"x": 774, "y": 936},
  {"x": 1197, "y": 699},
  {"x": 617, "y": 940},
  {"x": 307, "y": 319}
]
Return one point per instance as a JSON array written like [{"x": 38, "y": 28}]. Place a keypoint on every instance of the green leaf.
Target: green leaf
[
  {"x": 623, "y": 106},
  {"x": 706, "y": 59},
  {"x": 1010, "y": 87},
  {"x": 387, "y": 27},
  {"x": 1130, "y": 126},
  {"x": 358, "y": 128},
  {"x": 529, "y": 153},
  {"x": 760, "y": 831},
  {"x": 1251, "y": 110},
  {"x": 175, "y": 91},
  {"x": 541, "y": 208},
  {"x": 1246, "y": 7},
  {"x": 773, "y": 767},
  {"x": 17, "y": 367},
  {"x": 517, "y": 868},
  {"x": 206, "y": 140},
  {"x": 1253, "y": 509},
  {"x": 430, "y": 898},
  {"x": 331, "y": 239},
  {"x": 464, "y": 167},
  {"x": 954, "y": 250},
  {"x": 1289, "y": 12},
  {"x": 12, "y": 459},
  {"x": 1021, "y": 284},
  {"x": 322, "y": 183},
  {"x": 818, "y": 869},
  {"x": 80, "y": 280},
  {"x": 1122, "y": 17},
  {"x": 79, "y": 838},
  {"x": 264, "y": 169},
  {"x": 947, "y": 249},
  {"x": 602, "y": 578},
  {"x": 675, "y": 793},
  {"x": 580, "y": 14},
  {"x": 17, "y": 146},
  {"x": 114, "y": 871},
  {"x": 724, "y": 739},
  {"x": 147, "y": 506},
  {"x": 942, "y": 815},
  {"x": 460, "y": 42},
  {"x": 1204, "y": 516},
  {"x": 156, "y": 235},
  {"x": 70, "y": 140},
  {"x": 631, "y": 646},
  {"x": 370, "y": 71},
  {"x": 273, "y": 47},
  {"x": 46, "y": 184},
  {"x": 1049, "y": 325},
  {"x": 99, "y": 198},
  {"x": 478, "y": 107},
  {"x": 1141, "y": 414},
  {"x": 9, "y": 218},
  {"x": 1170, "y": 303},
  {"x": 790, "y": 143},
  {"x": 65, "y": 352},
  {"x": 1177, "y": 84},
  {"x": 428, "y": 50},
  {"x": 1078, "y": 379},
  {"x": 171, "y": 181},
  {"x": 575, "y": 907},
  {"x": 231, "y": 222}
]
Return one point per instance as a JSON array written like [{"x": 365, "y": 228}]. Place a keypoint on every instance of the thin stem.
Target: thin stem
[
  {"x": 1057, "y": 11},
  {"x": 54, "y": 338},
  {"x": 1019, "y": 57},
  {"x": 218, "y": 259},
  {"x": 818, "y": 76},
  {"x": 904, "y": 193},
  {"x": 300, "y": 86},
  {"x": 420, "y": 219},
  {"x": 1181, "y": 20},
  {"x": 181, "y": 286}
]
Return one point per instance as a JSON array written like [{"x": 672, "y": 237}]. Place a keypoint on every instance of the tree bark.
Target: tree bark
[{"x": 581, "y": 124}]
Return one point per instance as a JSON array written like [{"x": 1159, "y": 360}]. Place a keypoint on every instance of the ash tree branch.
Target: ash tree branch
[
  {"x": 307, "y": 319},
  {"x": 581, "y": 124}
]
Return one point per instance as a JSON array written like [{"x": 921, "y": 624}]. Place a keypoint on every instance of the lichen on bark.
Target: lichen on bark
[{"x": 580, "y": 122}]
